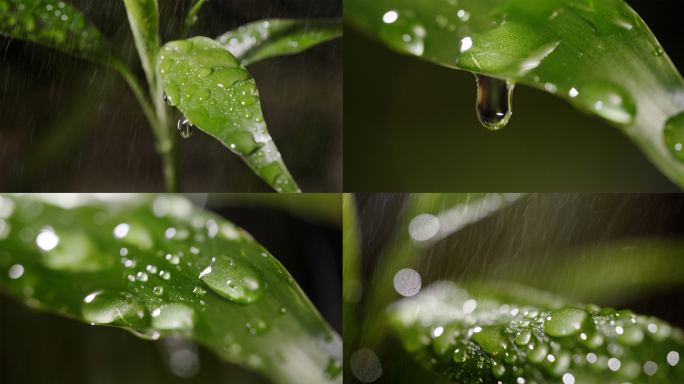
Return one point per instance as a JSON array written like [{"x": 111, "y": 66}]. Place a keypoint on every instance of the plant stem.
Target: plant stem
[
  {"x": 190, "y": 19},
  {"x": 159, "y": 122}
]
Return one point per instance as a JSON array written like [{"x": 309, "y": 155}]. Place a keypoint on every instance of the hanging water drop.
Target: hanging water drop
[
  {"x": 494, "y": 101},
  {"x": 674, "y": 135},
  {"x": 184, "y": 127}
]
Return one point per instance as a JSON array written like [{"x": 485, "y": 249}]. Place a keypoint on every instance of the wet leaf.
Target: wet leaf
[
  {"x": 275, "y": 37},
  {"x": 143, "y": 17},
  {"x": 55, "y": 24},
  {"x": 160, "y": 266},
  {"x": 503, "y": 332},
  {"x": 598, "y": 55},
  {"x": 220, "y": 97}
]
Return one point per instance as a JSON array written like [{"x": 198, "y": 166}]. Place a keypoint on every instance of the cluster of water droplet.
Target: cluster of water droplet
[
  {"x": 512, "y": 344},
  {"x": 50, "y": 22}
]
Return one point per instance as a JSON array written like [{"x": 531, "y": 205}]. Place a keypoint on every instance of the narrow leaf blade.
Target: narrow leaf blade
[
  {"x": 275, "y": 37},
  {"x": 598, "y": 55},
  {"x": 218, "y": 95},
  {"x": 158, "y": 267},
  {"x": 54, "y": 24}
]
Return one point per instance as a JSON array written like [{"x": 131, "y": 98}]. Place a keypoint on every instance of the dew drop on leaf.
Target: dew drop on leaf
[
  {"x": 113, "y": 308},
  {"x": 234, "y": 280},
  {"x": 674, "y": 135}
]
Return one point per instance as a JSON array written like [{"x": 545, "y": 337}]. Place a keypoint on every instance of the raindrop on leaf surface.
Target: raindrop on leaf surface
[
  {"x": 113, "y": 308},
  {"x": 235, "y": 280},
  {"x": 674, "y": 135},
  {"x": 494, "y": 101}
]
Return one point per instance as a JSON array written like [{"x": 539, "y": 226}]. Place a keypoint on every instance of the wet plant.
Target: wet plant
[
  {"x": 492, "y": 295},
  {"x": 214, "y": 90},
  {"x": 160, "y": 266},
  {"x": 598, "y": 55}
]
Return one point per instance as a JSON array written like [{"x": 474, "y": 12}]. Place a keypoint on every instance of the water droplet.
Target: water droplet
[
  {"x": 158, "y": 291},
  {"x": 658, "y": 51},
  {"x": 258, "y": 326},
  {"x": 499, "y": 370},
  {"x": 190, "y": 91},
  {"x": 185, "y": 127},
  {"x": 492, "y": 340},
  {"x": 282, "y": 310},
  {"x": 234, "y": 280},
  {"x": 607, "y": 100},
  {"x": 524, "y": 337},
  {"x": 173, "y": 316},
  {"x": 538, "y": 354},
  {"x": 565, "y": 322},
  {"x": 203, "y": 95},
  {"x": 674, "y": 135},
  {"x": 246, "y": 101},
  {"x": 114, "y": 308},
  {"x": 494, "y": 101},
  {"x": 459, "y": 355},
  {"x": 199, "y": 291},
  {"x": 204, "y": 72}
]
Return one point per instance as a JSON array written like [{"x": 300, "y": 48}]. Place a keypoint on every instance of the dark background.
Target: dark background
[
  {"x": 411, "y": 126},
  {"x": 536, "y": 229},
  {"x": 71, "y": 125},
  {"x": 45, "y": 348}
]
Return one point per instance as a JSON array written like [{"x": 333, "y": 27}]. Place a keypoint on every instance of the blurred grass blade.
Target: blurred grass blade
[
  {"x": 158, "y": 267},
  {"x": 351, "y": 281},
  {"x": 54, "y": 24},
  {"x": 611, "y": 273},
  {"x": 275, "y": 37},
  {"x": 143, "y": 16},
  {"x": 503, "y": 332},
  {"x": 219, "y": 96},
  {"x": 598, "y": 55}
]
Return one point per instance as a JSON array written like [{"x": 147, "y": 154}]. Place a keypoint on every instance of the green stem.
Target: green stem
[
  {"x": 190, "y": 19},
  {"x": 165, "y": 138}
]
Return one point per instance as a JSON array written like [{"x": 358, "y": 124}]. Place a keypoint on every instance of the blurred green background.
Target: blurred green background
[
  {"x": 71, "y": 125},
  {"x": 411, "y": 126},
  {"x": 38, "y": 347}
]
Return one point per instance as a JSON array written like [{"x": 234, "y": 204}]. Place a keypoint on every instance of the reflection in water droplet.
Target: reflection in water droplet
[
  {"x": 494, "y": 101},
  {"x": 113, "y": 308},
  {"x": 674, "y": 135},
  {"x": 158, "y": 291},
  {"x": 607, "y": 100},
  {"x": 47, "y": 239},
  {"x": 185, "y": 127},
  {"x": 234, "y": 280},
  {"x": 365, "y": 365}
]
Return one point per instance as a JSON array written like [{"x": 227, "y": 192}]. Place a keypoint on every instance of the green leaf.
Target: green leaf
[
  {"x": 220, "y": 97},
  {"x": 143, "y": 16},
  {"x": 158, "y": 267},
  {"x": 275, "y": 37},
  {"x": 501, "y": 332},
  {"x": 598, "y": 55},
  {"x": 352, "y": 288},
  {"x": 55, "y": 24}
]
